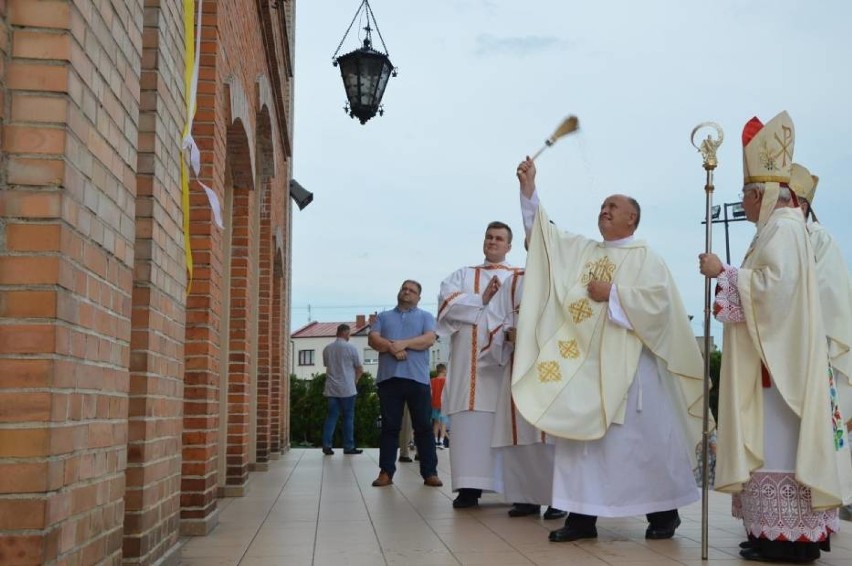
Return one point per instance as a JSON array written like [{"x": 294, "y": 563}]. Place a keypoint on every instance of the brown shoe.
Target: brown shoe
[
  {"x": 433, "y": 481},
  {"x": 383, "y": 480}
]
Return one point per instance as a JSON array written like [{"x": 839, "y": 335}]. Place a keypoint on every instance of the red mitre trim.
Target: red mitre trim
[{"x": 750, "y": 130}]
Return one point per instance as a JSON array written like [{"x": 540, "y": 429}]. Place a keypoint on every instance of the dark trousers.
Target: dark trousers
[
  {"x": 394, "y": 394},
  {"x": 580, "y": 521}
]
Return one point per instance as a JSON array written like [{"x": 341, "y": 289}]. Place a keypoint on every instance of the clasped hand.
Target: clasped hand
[
  {"x": 599, "y": 290},
  {"x": 397, "y": 350},
  {"x": 491, "y": 290}
]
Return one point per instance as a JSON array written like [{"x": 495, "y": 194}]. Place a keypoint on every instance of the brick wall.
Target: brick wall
[
  {"x": 204, "y": 304},
  {"x": 112, "y": 377},
  {"x": 66, "y": 277},
  {"x": 157, "y": 355},
  {"x": 229, "y": 350}
]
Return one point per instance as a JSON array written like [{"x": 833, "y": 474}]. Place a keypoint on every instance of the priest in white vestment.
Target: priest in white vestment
[
  {"x": 781, "y": 449},
  {"x": 526, "y": 453},
  {"x": 835, "y": 295},
  {"x": 606, "y": 362},
  {"x": 470, "y": 394}
]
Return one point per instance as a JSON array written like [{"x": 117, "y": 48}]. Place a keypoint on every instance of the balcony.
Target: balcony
[{"x": 310, "y": 509}]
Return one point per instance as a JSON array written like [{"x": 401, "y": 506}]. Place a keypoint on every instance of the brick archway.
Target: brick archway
[
  {"x": 265, "y": 376},
  {"x": 239, "y": 289}
]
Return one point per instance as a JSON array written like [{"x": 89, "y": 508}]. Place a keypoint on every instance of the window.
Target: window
[
  {"x": 306, "y": 357},
  {"x": 371, "y": 357}
]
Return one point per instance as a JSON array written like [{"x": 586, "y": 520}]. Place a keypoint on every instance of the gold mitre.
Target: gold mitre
[
  {"x": 768, "y": 150},
  {"x": 803, "y": 183}
]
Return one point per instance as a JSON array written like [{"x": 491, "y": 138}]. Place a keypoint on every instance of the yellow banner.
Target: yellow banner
[{"x": 189, "y": 95}]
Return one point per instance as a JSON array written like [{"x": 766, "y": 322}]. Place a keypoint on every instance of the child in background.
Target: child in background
[{"x": 439, "y": 421}]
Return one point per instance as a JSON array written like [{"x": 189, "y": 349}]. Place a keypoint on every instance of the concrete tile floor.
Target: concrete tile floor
[{"x": 310, "y": 509}]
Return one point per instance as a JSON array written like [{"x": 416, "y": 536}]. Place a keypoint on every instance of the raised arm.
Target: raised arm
[{"x": 529, "y": 198}]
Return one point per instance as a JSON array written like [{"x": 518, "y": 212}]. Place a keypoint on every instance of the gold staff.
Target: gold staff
[
  {"x": 707, "y": 149},
  {"x": 568, "y": 125}
]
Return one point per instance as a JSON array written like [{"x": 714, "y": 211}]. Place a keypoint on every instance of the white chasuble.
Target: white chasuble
[
  {"x": 784, "y": 331},
  {"x": 835, "y": 296},
  {"x": 573, "y": 366},
  {"x": 460, "y": 318}
]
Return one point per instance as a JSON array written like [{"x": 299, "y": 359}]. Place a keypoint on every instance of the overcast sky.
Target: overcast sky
[{"x": 483, "y": 82}]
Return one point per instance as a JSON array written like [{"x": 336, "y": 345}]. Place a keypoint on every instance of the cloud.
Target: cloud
[{"x": 487, "y": 45}]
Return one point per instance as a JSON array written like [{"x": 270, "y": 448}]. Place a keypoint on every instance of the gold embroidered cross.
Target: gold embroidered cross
[
  {"x": 580, "y": 310},
  {"x": 548, "y": 372},
  {"x": 569, "y": 349}
]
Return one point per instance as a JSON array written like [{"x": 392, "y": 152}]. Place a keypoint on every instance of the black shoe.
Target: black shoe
[
  {"x": 327, "y": 450},
  {"x": 524, "y": 509},
  {"x": 757, "y": 555},
  {"x": 352, "y": 451},
  {"x": 405, "y": 459},
  {"x": 746, "y": 544},
  {"x": 567, "y": 534},
  {"x": 663, "y": 530},
  {"x": 465, "y": 499},
  {"x": 554, "y": 513},
  {"x": 752, "y": 554}
]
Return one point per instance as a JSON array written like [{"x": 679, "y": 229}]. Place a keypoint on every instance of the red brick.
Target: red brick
[
  {"x": 24, "y": 442},
  {"x": 34, "y": 108},
  {"x": 24, "y": 406},
  {"x": 32, "y": 44},
  {"x": 37, "y": 76},
  {"x": 22, "y": 514},
  {"x": 39, "y": 13},
  {"x": 33, "y": 237}
]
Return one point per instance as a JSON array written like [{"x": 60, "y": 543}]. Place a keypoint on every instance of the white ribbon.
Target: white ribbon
[
  {"x": 214, "y": 204},
  {"x": 188, "y": 142}
]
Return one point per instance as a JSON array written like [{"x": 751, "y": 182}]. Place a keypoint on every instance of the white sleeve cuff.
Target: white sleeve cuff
[{"x": 616, "y": 312}]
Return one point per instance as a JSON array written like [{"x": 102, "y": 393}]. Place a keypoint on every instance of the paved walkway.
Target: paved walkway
[{"x": 314, "y": 510}]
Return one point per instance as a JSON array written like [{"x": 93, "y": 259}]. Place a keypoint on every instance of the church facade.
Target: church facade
[{"x": 135, "y": 392}]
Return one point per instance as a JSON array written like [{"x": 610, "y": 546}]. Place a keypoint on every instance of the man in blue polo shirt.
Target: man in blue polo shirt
[{"x": 403, "y": 336}]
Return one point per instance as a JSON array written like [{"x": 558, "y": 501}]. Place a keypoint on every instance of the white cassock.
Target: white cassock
[
  {"x": 526, "y": 454},
  {"x": 618, "y": 383},
  {"x": 471, "y": 392}
]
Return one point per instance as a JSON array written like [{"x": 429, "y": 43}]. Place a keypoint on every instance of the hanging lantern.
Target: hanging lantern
[{"x": 365, "y": 71}]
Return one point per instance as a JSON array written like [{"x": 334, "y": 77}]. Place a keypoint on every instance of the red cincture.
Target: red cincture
[{"x": 765, "y": 378}]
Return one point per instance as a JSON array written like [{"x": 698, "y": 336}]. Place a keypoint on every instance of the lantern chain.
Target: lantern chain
[
  {"x": 336, "y": 51},
  {"x": 370, "y": 14},
  {"x": 382, "y": 39}
]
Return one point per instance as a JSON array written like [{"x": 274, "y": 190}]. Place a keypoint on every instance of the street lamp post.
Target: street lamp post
[{"x": 737, "y": 214}]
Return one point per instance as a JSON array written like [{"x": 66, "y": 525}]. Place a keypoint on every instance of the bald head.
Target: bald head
[{"x": 619, "y": 217}]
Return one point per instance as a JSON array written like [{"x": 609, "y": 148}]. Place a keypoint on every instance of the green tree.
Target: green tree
[{"x": 308, "y": 408}]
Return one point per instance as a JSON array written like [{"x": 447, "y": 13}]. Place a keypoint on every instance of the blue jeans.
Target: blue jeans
[
  {"x": 394, "y": 394},
  {"x": 335, "y": 406}
]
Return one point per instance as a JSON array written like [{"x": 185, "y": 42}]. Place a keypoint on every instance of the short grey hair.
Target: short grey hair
[{"x": 784, "y": 195}]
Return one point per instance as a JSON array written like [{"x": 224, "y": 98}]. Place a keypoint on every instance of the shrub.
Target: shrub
[{"x": 308, "y": 409}]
